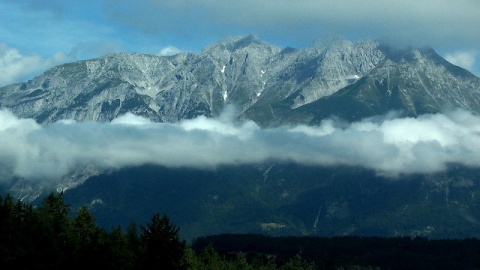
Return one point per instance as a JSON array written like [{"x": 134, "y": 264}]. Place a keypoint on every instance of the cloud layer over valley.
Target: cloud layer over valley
[{"x": 388, "y": 145}]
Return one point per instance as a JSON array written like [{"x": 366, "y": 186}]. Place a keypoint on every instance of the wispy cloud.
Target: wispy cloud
[
  {"x": 464, "y": 59},
  {"x": 16, "y": 66},
  {"x": 390, "y": 146},
  {"x": 169, "y": 50},
  {"x": 46, "y": 30}
]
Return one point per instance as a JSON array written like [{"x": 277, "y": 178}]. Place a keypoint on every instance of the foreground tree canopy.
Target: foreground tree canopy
[{"x": 47, "y": 237}]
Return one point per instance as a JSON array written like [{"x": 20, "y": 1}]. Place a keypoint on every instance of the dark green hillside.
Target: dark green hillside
[{"x": 288, "y": 199}]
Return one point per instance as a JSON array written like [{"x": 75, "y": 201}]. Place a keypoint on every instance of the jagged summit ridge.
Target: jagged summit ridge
[
  {"x": 234, "y": 43},
  {"x": 268, "y": 84}
]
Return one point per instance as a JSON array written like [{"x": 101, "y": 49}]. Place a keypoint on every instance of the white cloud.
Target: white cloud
[
  {"x": 464, "y": 59},
  {"x": 390, "y": 146},
  {"x": 131, "y": 119},
  {"x": 169, "y": 50},
  {"x": 17, "y": 67}
]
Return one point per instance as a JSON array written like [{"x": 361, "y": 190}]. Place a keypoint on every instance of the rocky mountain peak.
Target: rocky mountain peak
[{"x": 235, "y": 43}]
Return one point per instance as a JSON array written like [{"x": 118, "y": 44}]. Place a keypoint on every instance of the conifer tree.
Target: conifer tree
[{"x": 162, "y": 248}]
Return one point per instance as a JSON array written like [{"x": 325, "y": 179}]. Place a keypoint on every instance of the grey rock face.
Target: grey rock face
[
  {"x": 269, "y": 85},
  {"x": 413, "y": 82}
]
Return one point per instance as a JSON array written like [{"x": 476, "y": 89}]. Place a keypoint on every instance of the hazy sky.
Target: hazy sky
[{"x": 38, "y": 34}]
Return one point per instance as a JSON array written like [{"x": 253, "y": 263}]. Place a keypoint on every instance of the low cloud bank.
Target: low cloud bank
[{"x": 388, "y": 145}]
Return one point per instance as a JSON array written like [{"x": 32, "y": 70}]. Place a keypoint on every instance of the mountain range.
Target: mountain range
[
  {"x": 267, "y": 84},
  {"x": 272, "y": 87}
]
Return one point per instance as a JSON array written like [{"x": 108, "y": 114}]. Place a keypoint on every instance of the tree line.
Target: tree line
[
  {"x": 49, "y": 236},
  {"x": 334, "y": 252}
]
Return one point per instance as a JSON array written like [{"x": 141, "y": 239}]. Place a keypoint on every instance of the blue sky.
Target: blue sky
[{"x": 38, "y": 34}]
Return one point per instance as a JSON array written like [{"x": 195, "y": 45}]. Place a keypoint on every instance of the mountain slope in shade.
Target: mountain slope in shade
[{"x": 287, "y": 199}]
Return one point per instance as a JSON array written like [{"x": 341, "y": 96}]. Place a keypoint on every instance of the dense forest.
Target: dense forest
[
  {"x": 384, "y": 253},
  {"x": 50, "y": 236}
]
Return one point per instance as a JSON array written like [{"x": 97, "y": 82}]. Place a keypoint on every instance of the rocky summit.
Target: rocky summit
[{"x": 270, "y": 85}]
